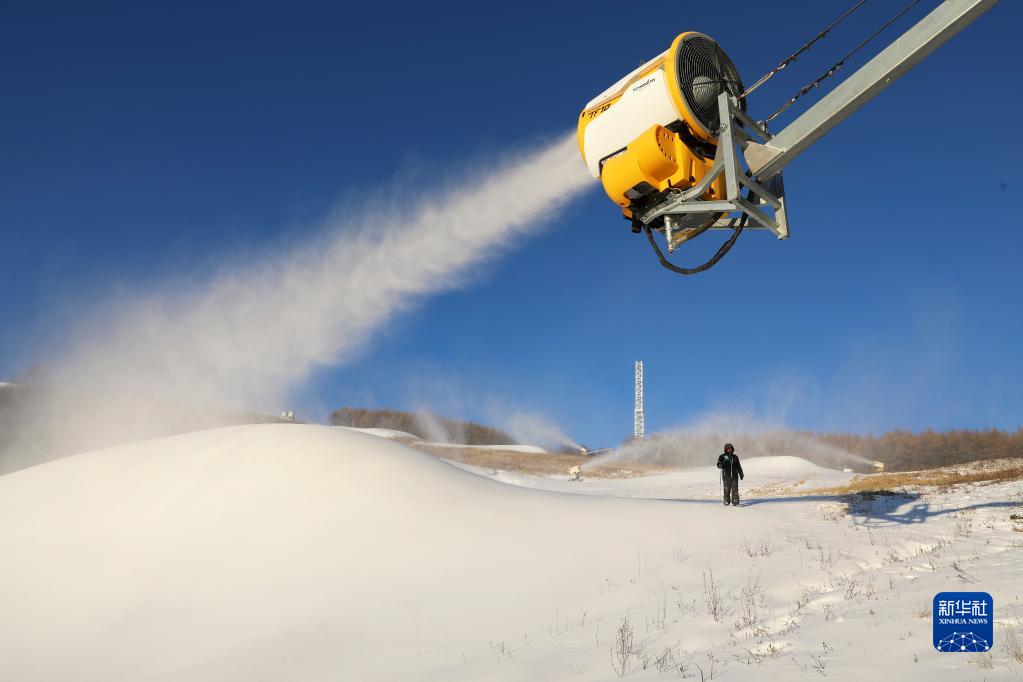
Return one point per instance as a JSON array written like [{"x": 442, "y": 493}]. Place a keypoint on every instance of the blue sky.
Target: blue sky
[{"x": 142, "y": 142}]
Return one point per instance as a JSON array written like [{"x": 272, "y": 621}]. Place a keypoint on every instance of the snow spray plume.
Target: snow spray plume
[
  {"x": 699, "y": 444},
  {"x": 536, "y": 429},
  {"x": 248, "y": 337},
  {"x": 434, "y": 430}
]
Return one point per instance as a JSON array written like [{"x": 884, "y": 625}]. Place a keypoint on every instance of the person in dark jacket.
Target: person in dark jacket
[{"x": 731, "y": 472}]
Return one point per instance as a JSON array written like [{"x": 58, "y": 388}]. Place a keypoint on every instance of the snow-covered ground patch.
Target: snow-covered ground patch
[
  {"x": 291, "y": 552},
  {"x": 391, "y": 434}
]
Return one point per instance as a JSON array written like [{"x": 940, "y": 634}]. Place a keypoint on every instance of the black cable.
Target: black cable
[
  {"x": 724, "y": 248},
  {"x": 791, "y": 58},
  {"x": 841, "y": 62}
]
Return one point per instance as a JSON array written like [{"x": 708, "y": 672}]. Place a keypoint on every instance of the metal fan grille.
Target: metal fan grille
[{"x": 704, "y": 72}]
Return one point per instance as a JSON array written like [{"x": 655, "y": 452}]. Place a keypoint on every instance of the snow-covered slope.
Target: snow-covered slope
[
  {"x": 288, "y": 552},
  {"x": 764, "y": 475},
  {"x": 392, "y": 434}
]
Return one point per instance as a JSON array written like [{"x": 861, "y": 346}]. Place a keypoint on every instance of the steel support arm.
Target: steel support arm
[{"x": 906, "y": 52}]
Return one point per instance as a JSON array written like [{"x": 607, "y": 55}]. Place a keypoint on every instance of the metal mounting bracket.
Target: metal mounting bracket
[{"x": 765, "y": 205}]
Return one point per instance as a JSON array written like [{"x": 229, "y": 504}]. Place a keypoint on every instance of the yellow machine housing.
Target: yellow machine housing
[
  {"x": 655, "y": 128},
  {"x": 654, "y": 161}
]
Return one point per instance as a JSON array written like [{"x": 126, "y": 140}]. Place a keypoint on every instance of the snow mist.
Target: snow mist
[
  {"x": 536, "y": 429},
  {"x": 700, "y": 442},
  {"x": 247, "y": 338}
]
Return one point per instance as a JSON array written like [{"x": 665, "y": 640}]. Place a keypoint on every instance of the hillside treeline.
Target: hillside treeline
[
  {"x": 425, "y": 426},
  {"x": 906, "y": 450}
]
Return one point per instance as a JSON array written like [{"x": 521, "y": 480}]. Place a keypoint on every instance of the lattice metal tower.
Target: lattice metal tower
[{"x": 639, "y": 422}]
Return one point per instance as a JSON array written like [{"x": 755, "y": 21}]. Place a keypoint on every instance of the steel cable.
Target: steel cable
[
  {"x": 841, "y": 62},
  {"x": 791, "y": 58}
]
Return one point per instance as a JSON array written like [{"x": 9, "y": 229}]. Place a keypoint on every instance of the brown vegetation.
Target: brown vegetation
[
  {"x": 996, "y": 471},
  {"x": 906, "y": 451},
  {"x": 539, "y": 464}
]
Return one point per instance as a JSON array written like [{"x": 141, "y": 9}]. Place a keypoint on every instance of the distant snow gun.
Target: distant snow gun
[
  {"x": 673, "y": 145},
  {"x": 878, "y": 467}
]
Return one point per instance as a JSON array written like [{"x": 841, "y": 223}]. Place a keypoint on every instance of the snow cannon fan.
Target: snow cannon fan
[{"x": 654, "y": 133}]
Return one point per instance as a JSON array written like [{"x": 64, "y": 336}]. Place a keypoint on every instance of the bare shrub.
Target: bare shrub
[
  {"x": 824, "y": 557},
  {"x": 984, "y": 661},
  {"x": 832, "y": 511},
  {"x": 807, "y": 595},
  {"x": 661, "y": 619},
  {"x": 622, "y": 650},
  {"x": 665, "y": 661},
  {"x": 712, "y": 595},
  {"x": 684, "y": 606},
  {"x": 750, "y": 604},
  {"x": 706, "y": 675},
  {"x": 1012, "y": 644},
  {"x": 670, "y": 661},
  {"x": 757, "y": 548},
  {"x": 962, "y": 527},
  {"x": 961, "y": 573},
  {"x": 750, "y": 657}
]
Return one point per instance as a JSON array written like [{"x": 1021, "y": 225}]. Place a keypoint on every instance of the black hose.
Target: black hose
[{"x": 714, "y": 259}]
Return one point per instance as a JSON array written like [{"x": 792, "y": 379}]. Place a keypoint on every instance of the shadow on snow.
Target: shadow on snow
[{"x": 877, "y": 508}]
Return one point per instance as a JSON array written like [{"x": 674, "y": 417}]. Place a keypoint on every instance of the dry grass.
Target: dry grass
[
  {"x": 539, "y": 464},
  {"x": 559, "y": 464},
  {"x": 1012, "y": 645},
  {"x": 984, "y": 661},
  {"x": 991, "y": 471}
]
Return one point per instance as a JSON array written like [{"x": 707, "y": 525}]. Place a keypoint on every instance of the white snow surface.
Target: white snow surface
[
  {"x": 392, "y": 434},
  {"x": 295, "y": 552}
]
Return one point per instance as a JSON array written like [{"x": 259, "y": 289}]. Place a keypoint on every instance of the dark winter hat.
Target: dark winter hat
[{"x": 729, "y": 446}]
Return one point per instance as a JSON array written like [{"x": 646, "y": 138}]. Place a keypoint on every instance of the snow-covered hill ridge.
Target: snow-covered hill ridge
[
  {"x": 291, "y": 552},
  {"x": 411, "y": 438},
  {"x": 390, "y": 434}
]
